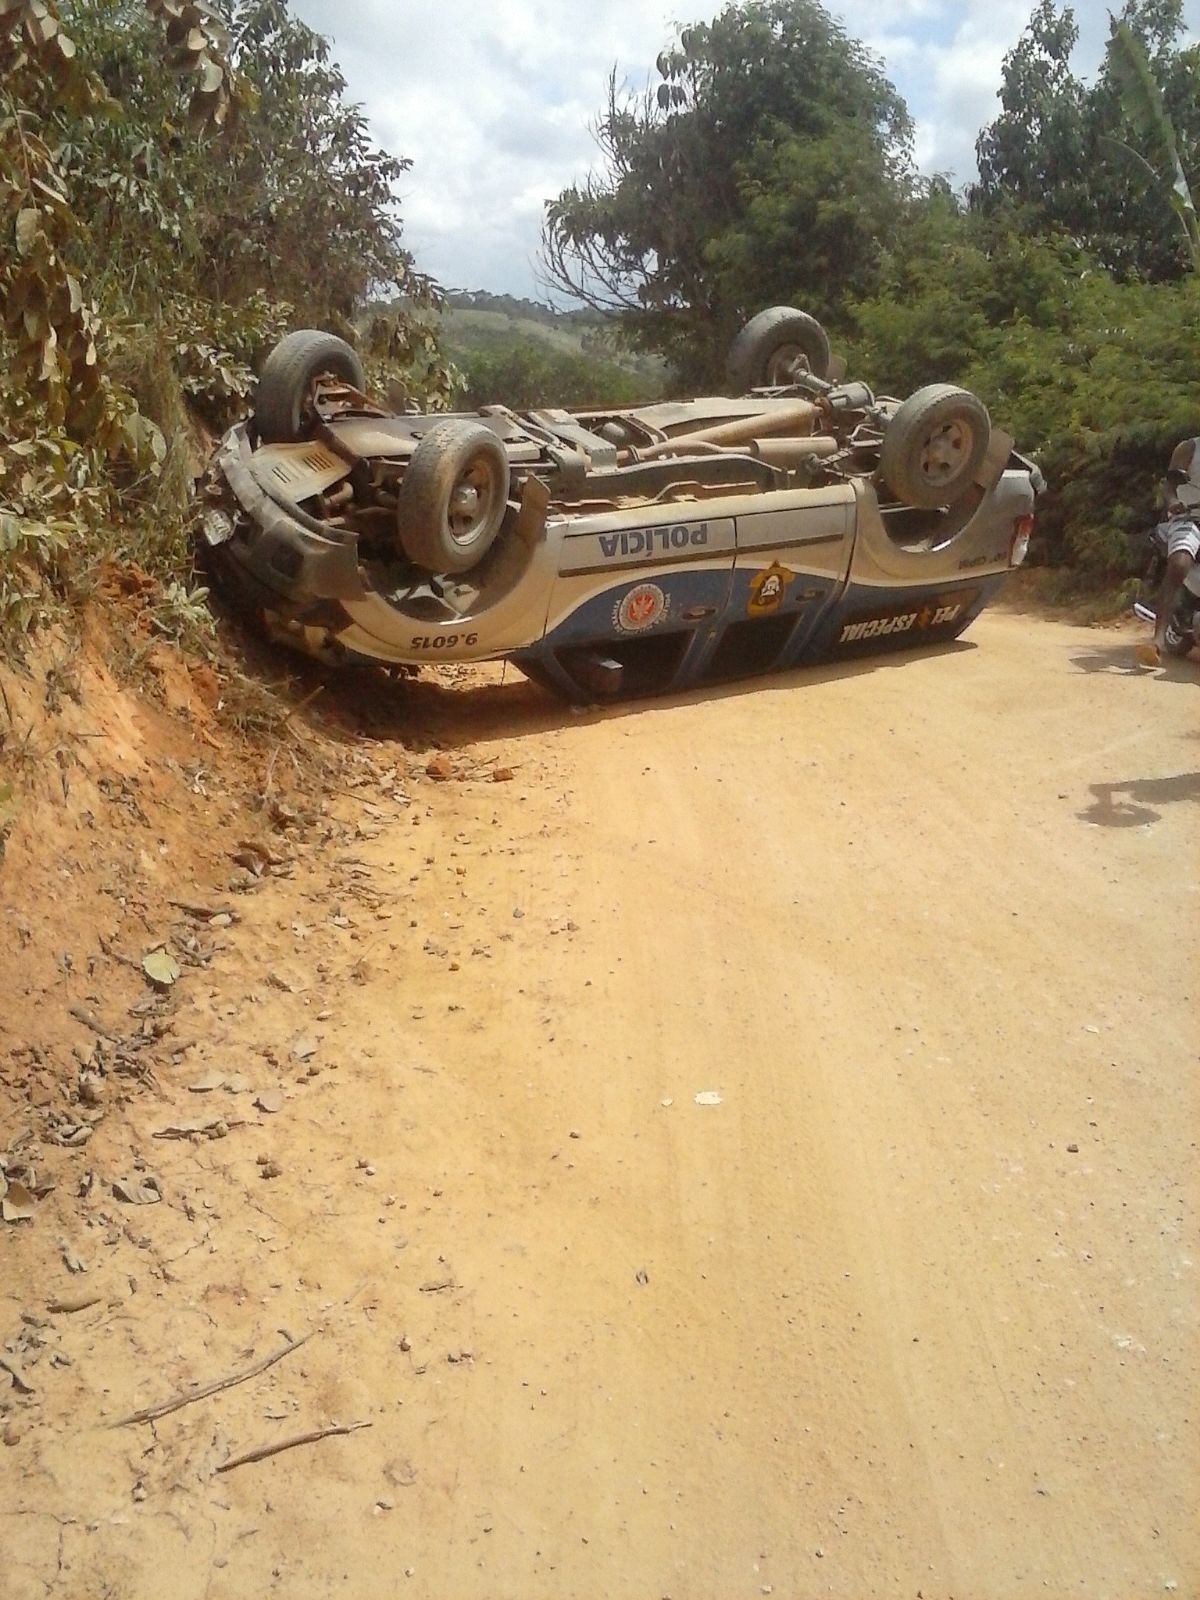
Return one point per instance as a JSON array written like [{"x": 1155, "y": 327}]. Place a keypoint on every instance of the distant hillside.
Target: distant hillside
[
  {"x": 509, "y": 305},
  {"x": 477, "y": 323},
  {"x": 466, "y": 330},
  {"x": 519, "y": 353}
]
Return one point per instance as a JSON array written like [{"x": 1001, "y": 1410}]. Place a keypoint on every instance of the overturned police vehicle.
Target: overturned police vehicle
[{"x": 611, "y": 551}]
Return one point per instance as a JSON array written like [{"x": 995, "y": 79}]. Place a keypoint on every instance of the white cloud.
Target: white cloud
[
  {"x": 494, "y": 103},
  {"x": 950, "y": 75}
]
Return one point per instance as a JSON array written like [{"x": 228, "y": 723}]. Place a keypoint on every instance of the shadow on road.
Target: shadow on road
[
  {"x": 1131, "y": 804},
  {"x": 1118, "y": 660},
  {"x": 420, "y": 712}
]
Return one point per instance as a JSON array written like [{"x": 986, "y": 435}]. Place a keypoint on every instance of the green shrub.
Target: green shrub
[{"x": 1097, "y": 379}]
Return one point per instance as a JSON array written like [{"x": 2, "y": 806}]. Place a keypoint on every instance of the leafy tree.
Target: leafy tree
[
  {"x": 1051, "y": 161},
  {"x": 50, "y": 322},
  {"x": 1144, "y": 108},
  {"x": 767, "y": 166},
  {"x": 294, "y": 201},
  {"x": 175, "y": 185},
  {"x": 1095, "y": 376},
  {"x": 952, "y": 283},
  {"x": 69, "y": 436},
  {"x": 1104, "y": 402}
]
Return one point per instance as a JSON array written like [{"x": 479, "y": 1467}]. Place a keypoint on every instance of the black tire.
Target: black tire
[
  {"x": 1178, "y": 644},
  {"x": 761, "y": 356},
  {"x": 287, "y": 376},
  {"x": 452, "y": 497},
  {"x": 934, "y": 445}
]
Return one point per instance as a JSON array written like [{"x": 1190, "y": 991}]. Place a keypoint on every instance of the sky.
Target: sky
[{"x": 494, "y": 103}]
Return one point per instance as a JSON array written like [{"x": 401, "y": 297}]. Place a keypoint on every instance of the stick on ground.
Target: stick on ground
[
  {"x": 265, "y": 1450},
  {"x": 187, "y": 1396}
]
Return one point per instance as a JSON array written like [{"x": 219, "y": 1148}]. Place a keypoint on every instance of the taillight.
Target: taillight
[{"x": 1021, "y": 535}]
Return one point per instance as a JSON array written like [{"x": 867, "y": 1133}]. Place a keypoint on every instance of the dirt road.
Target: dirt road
[{"x": 749, "y": 1152}]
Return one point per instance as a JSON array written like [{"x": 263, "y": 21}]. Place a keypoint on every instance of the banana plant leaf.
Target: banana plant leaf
[{"x": 1144, "y": 110}]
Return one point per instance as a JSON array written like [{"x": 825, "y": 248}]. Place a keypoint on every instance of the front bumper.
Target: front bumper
[{"x": 279, "y": 557}]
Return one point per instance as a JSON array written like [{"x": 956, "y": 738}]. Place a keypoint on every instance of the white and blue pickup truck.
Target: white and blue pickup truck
[{"x": 611, "y": 552}]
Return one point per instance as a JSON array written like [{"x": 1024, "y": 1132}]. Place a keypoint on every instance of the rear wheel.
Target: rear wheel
[
  {"x": 452, "y": 497},
  {"x": 282, "y": 404},
  {"x": 770, "y": 347},
  {"x": 934, "y": 446}
]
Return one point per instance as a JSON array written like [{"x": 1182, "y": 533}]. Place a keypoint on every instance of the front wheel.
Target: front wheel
[
  {"x": 934, "y": 445},
  {"x": 452, "y": 497}
]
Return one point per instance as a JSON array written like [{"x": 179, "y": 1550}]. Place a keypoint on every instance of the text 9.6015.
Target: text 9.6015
[{"x": 443, "y": 641}]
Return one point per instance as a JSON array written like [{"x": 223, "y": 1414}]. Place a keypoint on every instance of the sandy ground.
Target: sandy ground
[{"x": 751, "y": 1151}]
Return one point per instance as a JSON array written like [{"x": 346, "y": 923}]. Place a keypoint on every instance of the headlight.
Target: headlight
[{"x": 217, "y": 527}]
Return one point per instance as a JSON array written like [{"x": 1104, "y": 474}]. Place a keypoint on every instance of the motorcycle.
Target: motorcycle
[{"x": 1183, "y": 628}]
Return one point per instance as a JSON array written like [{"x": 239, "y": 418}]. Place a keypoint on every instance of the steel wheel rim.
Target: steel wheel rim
[
  {"x": 946, "y": 451},
  {"x": 472, "y": 501}
]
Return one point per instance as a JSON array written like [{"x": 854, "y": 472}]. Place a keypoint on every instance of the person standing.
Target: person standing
[{"x": 1181, "y": 496}]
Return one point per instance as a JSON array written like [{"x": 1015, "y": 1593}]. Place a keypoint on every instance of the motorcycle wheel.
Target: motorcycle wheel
[{"x": 1178, "y": 644}]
